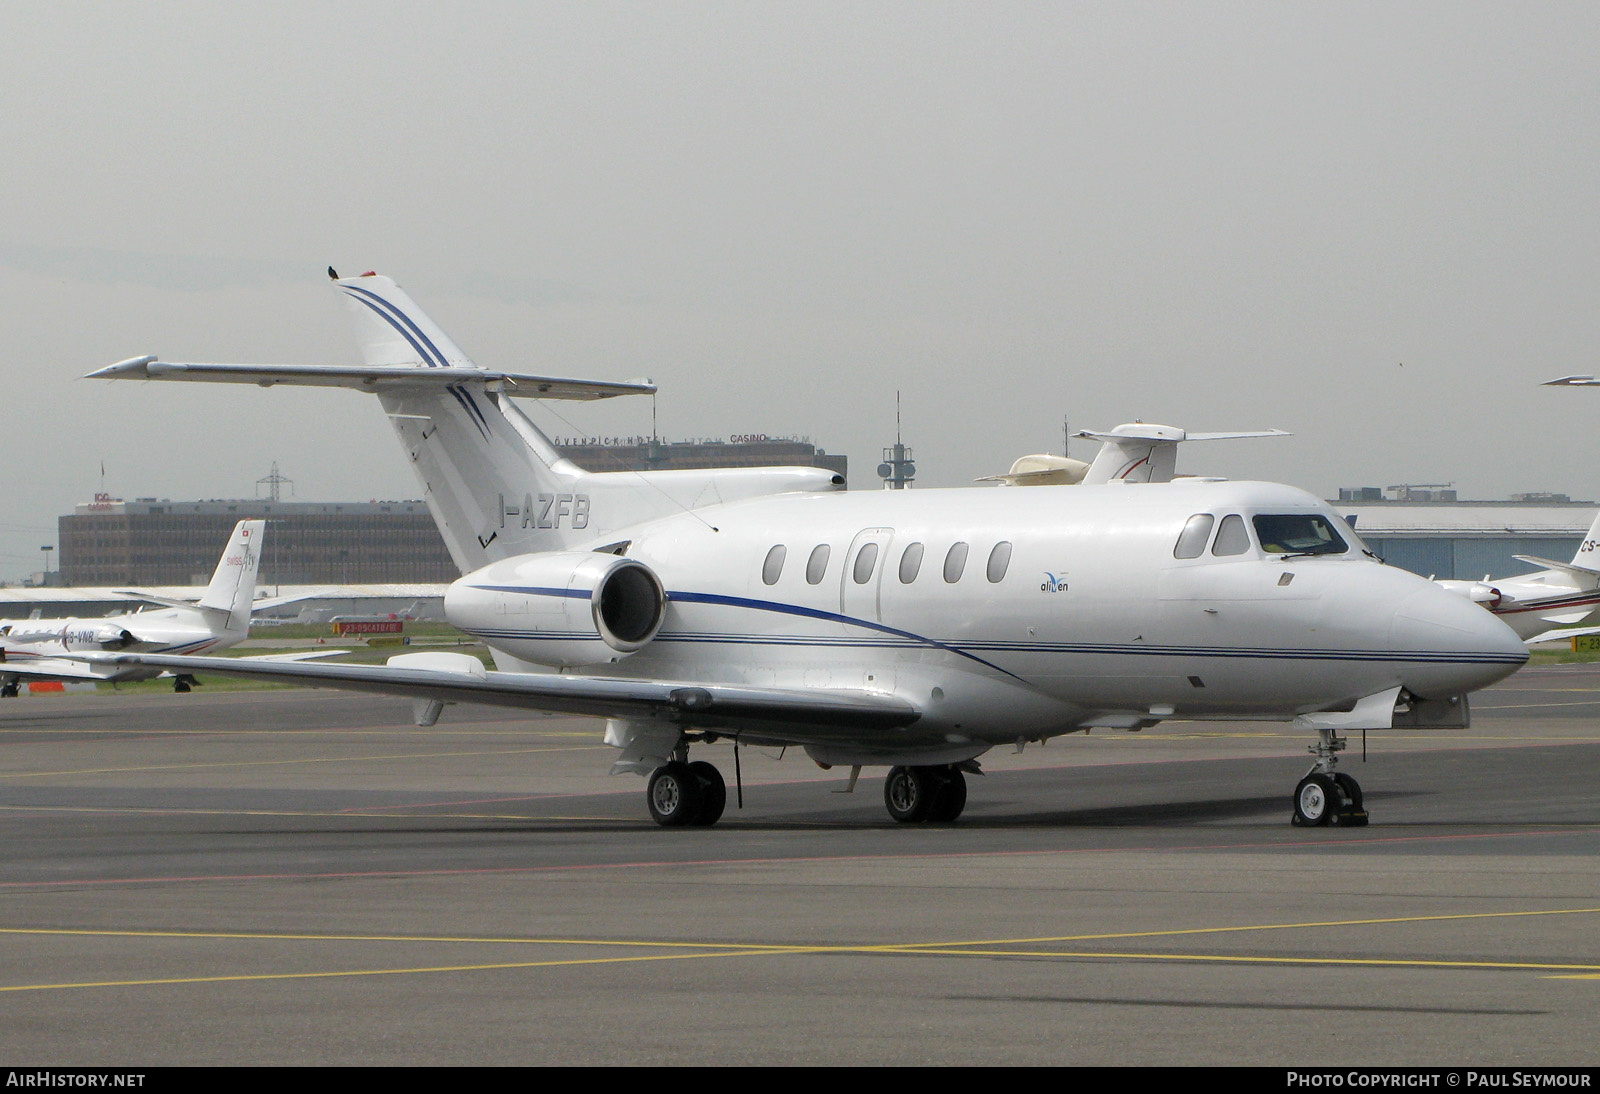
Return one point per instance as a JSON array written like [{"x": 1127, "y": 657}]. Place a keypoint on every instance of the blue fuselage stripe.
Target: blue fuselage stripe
[
  {"x": 900, "y": 639},
  {"x": 397, "y": 317}
]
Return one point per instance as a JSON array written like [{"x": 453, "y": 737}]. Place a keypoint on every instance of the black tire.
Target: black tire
[
  {"x": 9, "y": 691},
  {"x": 713, "y": 793},
  {"x": 908, "y": 793},
  {"x": 1316, "y": 800},
  {"x": 1353, "y": 813},
  {"x": 951, "y": 797},
  {"x": 673, "y": 796}
]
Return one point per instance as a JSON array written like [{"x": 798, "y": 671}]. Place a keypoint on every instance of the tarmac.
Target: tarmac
[{"x": 298, "y": 877}]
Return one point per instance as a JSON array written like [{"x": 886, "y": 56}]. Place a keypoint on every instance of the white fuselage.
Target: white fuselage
[
  {"x": 40, "y": 644},
  {"x": 1533, "y": 604},
  {"x": 1094, "y": 621}
]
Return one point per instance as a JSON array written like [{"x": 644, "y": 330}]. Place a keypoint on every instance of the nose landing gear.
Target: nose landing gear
[{"x": 1325, "y": 796}]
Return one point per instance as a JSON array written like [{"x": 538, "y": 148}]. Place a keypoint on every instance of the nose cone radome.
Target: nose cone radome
[{"x": 1451, "y": 645}]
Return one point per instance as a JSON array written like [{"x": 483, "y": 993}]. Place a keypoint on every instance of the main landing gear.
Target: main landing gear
[
  {"x": 682, "y": 793},
  {"x": 183, "y": 683},
  {"x": 914, "y": 794},
  {"x": 9, "y": 689},
  {"x": 1325, "y": 796}
]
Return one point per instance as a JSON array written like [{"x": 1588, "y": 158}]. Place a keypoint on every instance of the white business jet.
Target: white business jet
[
  {"x": 1549, "y": 603},
  {"x": 41, "y": 649},
  {"x": 910, "y": 629}
]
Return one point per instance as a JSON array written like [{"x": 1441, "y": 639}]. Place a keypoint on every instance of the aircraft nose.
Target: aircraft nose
[{"x": 1451, "y": 644}]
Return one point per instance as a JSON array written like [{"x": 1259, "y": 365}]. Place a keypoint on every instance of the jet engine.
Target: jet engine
[
  {"x": 97, "y": 636},
  {"x": 565, "y": 608}
]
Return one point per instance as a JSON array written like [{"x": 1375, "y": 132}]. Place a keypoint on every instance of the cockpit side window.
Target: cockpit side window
[
  {"x": 1192, "y": 540},
  {"x": 1298, "y": 534},
  {"x": 1232, "y": 537}
]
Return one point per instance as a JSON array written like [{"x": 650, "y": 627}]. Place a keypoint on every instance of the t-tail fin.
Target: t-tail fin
[
  {"x": 233, "y": 585},
  {"x": 392, "y": 330},
  {"x": 1584, "y": 569},
  {"x": 495, "y": 484},
  {"x": 1588, "y": 556}
]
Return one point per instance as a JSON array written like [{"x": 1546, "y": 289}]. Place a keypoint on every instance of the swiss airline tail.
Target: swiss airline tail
[{"x": 233, "y": 585}]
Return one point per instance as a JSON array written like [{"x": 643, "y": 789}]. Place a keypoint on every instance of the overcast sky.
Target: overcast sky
[{"x": 1374, "y": 225}]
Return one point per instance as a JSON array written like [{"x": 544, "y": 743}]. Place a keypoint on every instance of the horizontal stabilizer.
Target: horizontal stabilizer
[
  {"x": 1146, "y": 452},
  {"x": 371, "y": 378},
  {"x": 1567, "y": 568},
  {"x": 166, "y": 601},
  {"x": 1041, "y": 470}
]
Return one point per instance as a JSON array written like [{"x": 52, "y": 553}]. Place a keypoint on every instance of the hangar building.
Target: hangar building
[{"x": 1468, "y": 539}]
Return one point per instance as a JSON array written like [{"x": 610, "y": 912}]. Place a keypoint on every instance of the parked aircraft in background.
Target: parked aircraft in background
[
  {"x": 1547, "y": 604},
  {"x": 910, "y": 629},
  {"x": 43, "y": 649}
]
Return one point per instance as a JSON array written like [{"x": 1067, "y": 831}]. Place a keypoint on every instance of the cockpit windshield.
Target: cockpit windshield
[{"x": 1298, "y": 534}]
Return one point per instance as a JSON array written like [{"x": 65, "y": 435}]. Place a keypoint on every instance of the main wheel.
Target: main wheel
[
  {"x": 908, "y": 793},
  {"x": 182, "y": 684},
  {"x": 9, "y": 691},
  {"x": 951, "y": 798},
  {"x": 1352, "y": 814},
  {"x": 1316, "y": 799},
  {"x": 713, "y": 793},
  {"x": 674, "y": 795}
]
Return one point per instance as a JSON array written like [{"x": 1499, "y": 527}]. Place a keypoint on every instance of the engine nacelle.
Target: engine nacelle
[
  {"x": 97, "y": 636},
  {"x": 565, "y": 608}
]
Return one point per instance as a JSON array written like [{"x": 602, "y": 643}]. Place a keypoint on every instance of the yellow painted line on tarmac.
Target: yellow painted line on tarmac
[
  {"x": 486, "y": 940},
  {"x": 283, "y": 763},
  {"x": 414, "y": 732},
  {"x": 1249, "y": 959},
  {"x": 327, "y": 974},
  {"x": 390, "y": 813},
  {"x": 697, "y": 950},
  {"x": 1273, "y": 927}
]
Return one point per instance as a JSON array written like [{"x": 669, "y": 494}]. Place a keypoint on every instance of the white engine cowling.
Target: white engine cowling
[{"x": 564, "y": 608}]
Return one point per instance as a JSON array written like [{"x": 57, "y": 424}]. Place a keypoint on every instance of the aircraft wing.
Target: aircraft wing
[
  {"x": 1561, "y": 632},
  {"x": 820, "y": 714},
  {"x": 299, "y": 655},
  {"x": 370, "y": 377},
  {"x": 49, "y": 668}
]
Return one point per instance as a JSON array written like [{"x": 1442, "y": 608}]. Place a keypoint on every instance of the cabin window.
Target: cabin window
[
  {"x": 1192, "y": 540},
  {"x": 1232, "y": 538},
  {"x": 866, "y": 558},
  {"x": 910, "y": 563},
  {"x": 817, "y": 564},
  {"x": 1298, "y": 534},
  {"x": 773, "y": 566},
  {"x": 999, "y": 559},
  {"x": 955, "y": 562}
]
